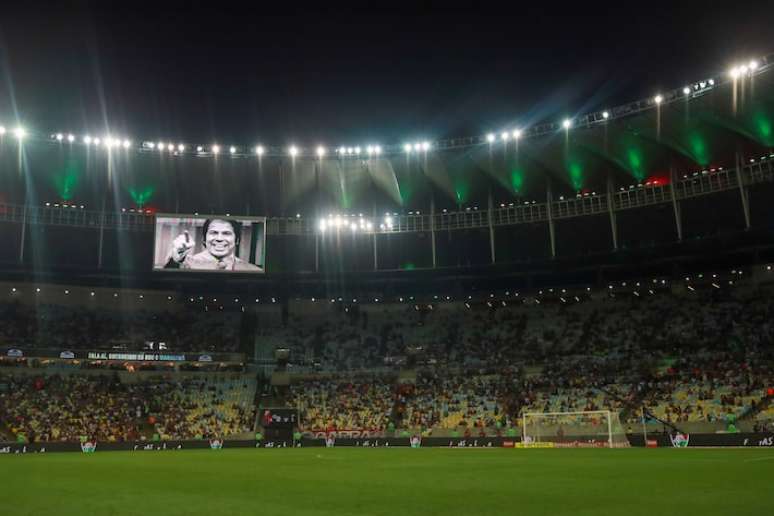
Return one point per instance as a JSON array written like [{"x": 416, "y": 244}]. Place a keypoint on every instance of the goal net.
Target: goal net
[{"x": 585, "y": 429}]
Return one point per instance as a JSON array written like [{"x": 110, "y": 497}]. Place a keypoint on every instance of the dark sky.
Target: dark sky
[{"x": 242, "y": 75}]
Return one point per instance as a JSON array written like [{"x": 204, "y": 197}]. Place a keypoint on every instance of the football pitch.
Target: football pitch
[{"x": 395, "y": 482}]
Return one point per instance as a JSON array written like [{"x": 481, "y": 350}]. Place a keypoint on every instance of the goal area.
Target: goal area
[{"x": 582, "y": 429}]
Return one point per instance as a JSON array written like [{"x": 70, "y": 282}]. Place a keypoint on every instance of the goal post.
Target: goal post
[{"x": 580, "y": 429}]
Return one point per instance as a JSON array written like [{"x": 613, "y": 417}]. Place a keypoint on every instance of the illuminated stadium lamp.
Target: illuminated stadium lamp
[
  {"x": 753, "y": 65},
  {"x": 321, "y": 151},
  {"x": 259, "y": 150},
  {"x": 232, "y": 149},
  {"x": 490, "y": 137},
  {"x": 150, "y": 145},
  {"x": 743, "y": 69},
  {"x": 170, "y": 147},
  {"x": 370, "y": 150},
  {"x": 734, "y": 72},
  {"x": 19, "y": 133},
  {"x": 293, "y": 150},
  {"x": 323, "y": 225},
  {"x": 425, "y": 146},
  {"x": 70, "y": 138},
  {"x": 199, "y": 148},
  {"x": 353, "y": 227},
  {"x": 658, "y": 99},
  {"x": 686, "y": 90},
  {"x": 127, "y": 144},
  {"x": 605, "y": 115},
  {"x": 702, "y": 84},
  {"x": 59, "y": 137},
  {"x": 2, "y": 129},
  {"x": 216, "y": 149},
  {"x": 407, "y": 147},
  {"x": 417, "y": 147},
  {"x": 711, "y": 82},
  {"x": 566, "y": 123},
  {"x": 504, "y": 136},
  {"x": 96, "y": 141},
  {"x": 369, "y": 226},
  {"x": 160, "y": 146},
  {"x": 341, "y": 150},
  {"x": 377, "y": 150},
  {"x": 180, "y": 148},
  {"x": 516, "y": 134}
]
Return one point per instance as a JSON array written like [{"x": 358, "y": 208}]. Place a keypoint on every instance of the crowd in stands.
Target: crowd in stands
[
  {"x": 354, "y": 403},
  {"x": 65, "y": 327},
  {"x": 693, "y": 357},
  {"x": 106, "y": 407}
]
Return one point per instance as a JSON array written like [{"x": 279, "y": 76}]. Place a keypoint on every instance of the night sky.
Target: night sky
[{"x": 241, "y": 75}]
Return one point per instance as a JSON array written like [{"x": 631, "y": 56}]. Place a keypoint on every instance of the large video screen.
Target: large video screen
[{"x": 210, "y": 243}]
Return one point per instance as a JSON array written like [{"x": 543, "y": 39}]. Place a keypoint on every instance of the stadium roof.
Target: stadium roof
[{"x": 700, "y": 129}]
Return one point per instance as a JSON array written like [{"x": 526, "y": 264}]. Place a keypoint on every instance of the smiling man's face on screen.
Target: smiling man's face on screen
[{"x": 220, "y": 239}]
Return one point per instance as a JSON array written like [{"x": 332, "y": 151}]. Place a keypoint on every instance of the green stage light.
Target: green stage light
[{"x": 141, "y": 196}]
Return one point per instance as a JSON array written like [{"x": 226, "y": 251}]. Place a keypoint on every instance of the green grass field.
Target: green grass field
[{"x": 395, "y": 482}]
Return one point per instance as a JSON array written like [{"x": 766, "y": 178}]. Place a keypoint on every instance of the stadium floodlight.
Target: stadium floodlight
[
  {"x": 160, "y": 146},
  {"x": 370, "y": 150},
  {"x": 686, "y": 91},
  {"x": 2, "y": 129},
  {"x": 504, "y": 136},
  {"x": 490, "y": 137},
  {"x": 658, "y": 99},
  {"x": 71, "y": 138},
  {"x": 566, "y": 123},
  {"x": 96, "y": 141},
  {"x": 605, "y": 115},
  {"x": 180, "y": 147},
  {"x": 350, "y": 150},
  {"x": 232, "y": 149},
  {"x": 342, "y": 150},
  {"x": 321, "y": 151},
  {"x": 199, "y": 148},
  {"x": 357, "y": 150},
  {"x": 170, "y": 147},
  {"x": 322, "y": 225},
  {"x": 711, "y": 82},
  {"x": 293, "y": 150},
  {"x": 216, "y": 149},
  {"x": 417, "y": 147},
  {"x": 377, "y": 150},
  {"x": 150, "y": 145},
  {"x": 516, "y": 134},
  {"x": 753, "y": 65},
  {"x": 743, "y": 69},
  {"x": 734, "y": 72},
  {"x": 127, "y": 144},
  {"x": 407, "y": 147},
  {"x": 353, "y": 227},
  {"x": 425, "y": 146},
  {"x": 369, "y": 226},
  {"x": 19, "y": 133},
  {"x": 59, "y": 137}
]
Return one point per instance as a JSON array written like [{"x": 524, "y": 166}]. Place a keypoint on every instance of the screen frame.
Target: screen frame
[{"x": 242, "y": 218}]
